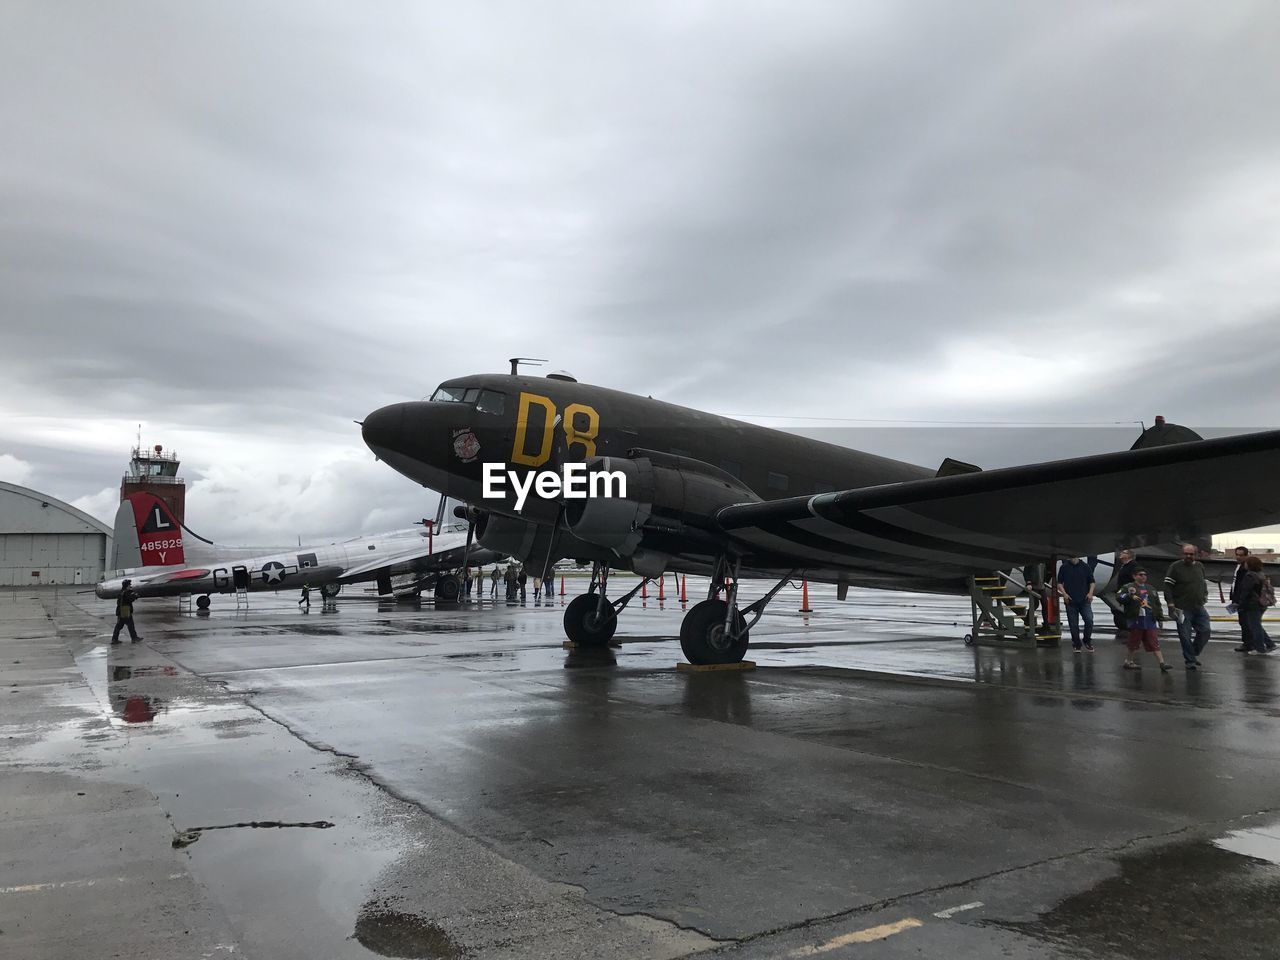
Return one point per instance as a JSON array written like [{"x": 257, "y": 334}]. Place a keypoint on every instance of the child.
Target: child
[{"x": 1144, "y": 614}]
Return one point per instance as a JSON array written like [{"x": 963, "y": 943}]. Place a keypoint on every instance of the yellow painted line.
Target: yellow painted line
[{"x": 882, "y": 932}]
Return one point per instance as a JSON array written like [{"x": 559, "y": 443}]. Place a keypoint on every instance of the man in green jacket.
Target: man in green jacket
[{"x": 1186, "y": 592}]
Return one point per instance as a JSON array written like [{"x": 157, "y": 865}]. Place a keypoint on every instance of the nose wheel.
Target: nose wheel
[
  {"x": 703, "y": 636},
  {"x": 585, "y": 625}
]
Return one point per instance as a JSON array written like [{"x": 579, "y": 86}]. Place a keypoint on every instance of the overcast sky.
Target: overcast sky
[{"x": 246, "y": 225}]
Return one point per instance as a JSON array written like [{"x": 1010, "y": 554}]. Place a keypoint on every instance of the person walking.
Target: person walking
[
  {"x": 1255, "y": 594},
  {"x": 124, "y": 613},
  {"x": 466, "y": 581},
  {"x": 549, "y": 585},
  {"x": 1246, "y": 632},
  {"x": 494, "y": 577},
  {"x": 304, "y": 601},
  {"x": 509, "y": 576},
  {"x": 523, "y": 580},
  {"x": 1144, "y": 614},
  {"x": 1186, "y": 592},
  {"x": 1076, "y": 585}
]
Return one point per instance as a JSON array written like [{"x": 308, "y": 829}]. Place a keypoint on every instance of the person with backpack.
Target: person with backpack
[
  {"x": 1144, "y": 614},
  {"x": 1254, "y": 594},
  {"x": 124, "y": 613},
  {"x": 494, "y": 577}
]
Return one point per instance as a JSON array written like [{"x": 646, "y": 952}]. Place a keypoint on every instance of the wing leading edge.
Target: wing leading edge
[{"x": 1014, "y": 515}]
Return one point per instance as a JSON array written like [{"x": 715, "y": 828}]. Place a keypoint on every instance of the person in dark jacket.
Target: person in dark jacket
[
  {"x": 1246, "y": 632},
  {"x": 124, "y": 613},
  {"x": 1076, "y": 584},
  {"x": 523, "y": 580},
  {"x": 1186, "y": 592},
  {"x": 1144, "y": 614},
  {"x": 1247, "y": 594}
]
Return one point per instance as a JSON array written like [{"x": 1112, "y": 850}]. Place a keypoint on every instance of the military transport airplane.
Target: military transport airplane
[
  {"x": 402, "y": 562},
  {"x": 708, "y": 494}
]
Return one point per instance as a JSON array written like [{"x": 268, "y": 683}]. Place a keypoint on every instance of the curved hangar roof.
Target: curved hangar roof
[
  {"x": 43, "y": 540},
  {"x": 23, "y": 510}
]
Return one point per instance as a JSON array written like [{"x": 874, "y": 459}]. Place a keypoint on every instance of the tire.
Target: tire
[
  {"x": 448, "y": 589},
  {"x": 330, "y": 590},
  {"x": 581, "y": 626},
  {"x": 702, "y": 634},
  {"x": 202, "y": 603}
]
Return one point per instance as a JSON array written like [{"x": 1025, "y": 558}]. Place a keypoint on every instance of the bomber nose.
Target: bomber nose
[{"x": 384, "y": 428}]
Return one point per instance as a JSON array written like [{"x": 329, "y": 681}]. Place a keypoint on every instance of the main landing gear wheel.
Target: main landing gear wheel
[
  {"x": 330, "y": 590},
  {"x": 584, "y": 626},
  {"x": 448, "y": 588},
  {"x": 702, "y": 635},
  {"x": 202, "y": 602}
]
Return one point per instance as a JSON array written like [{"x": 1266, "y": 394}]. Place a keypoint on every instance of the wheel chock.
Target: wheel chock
[
  {"x": 569, "y": 645},
  {"x": 711, "y": 667}
]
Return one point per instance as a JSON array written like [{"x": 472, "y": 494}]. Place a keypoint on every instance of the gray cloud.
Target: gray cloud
[{"x": 247, "y": 226}]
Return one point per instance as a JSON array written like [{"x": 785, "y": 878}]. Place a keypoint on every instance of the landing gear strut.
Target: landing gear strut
[{"x": 715, "y": 630}]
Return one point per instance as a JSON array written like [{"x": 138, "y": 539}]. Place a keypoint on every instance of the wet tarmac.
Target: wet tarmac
[{"x": 404, "y": 781}]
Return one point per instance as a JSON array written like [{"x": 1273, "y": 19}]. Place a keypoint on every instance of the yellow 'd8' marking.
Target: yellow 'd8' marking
[
  {"x": 518, "y": 452},
  {"x": 586, "y": 436}
]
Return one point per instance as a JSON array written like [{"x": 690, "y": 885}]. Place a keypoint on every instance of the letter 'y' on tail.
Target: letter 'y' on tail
[{"x": 146, "y": 534}]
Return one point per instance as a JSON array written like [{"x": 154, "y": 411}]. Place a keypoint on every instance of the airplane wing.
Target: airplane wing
[
  {"x": 995, "y": 519},
  {"x": 414, "y": 558}
]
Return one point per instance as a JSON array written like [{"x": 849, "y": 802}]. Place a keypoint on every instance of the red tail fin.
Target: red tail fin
[{"x": 159, "y": 533}]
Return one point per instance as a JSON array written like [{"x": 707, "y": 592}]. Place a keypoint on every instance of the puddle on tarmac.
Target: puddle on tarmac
[
  {"x": 1209, "y": 899},
  {"x": 390, "y": 933}
]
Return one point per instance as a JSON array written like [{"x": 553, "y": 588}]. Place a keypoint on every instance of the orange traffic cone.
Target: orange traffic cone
[
  {"x": 804, "y": 597},
  {"x": 562, "y": 584},
  {"x": 684, "y": 588}
]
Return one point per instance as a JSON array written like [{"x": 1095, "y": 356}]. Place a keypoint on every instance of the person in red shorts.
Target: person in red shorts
[{"x": 1143, "y": 613}]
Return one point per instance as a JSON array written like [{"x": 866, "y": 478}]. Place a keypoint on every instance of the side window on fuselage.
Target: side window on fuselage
[{"x": 492, "y": 402}]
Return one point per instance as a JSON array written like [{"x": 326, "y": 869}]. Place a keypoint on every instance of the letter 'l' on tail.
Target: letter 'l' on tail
[{"x": 146, "y": 534}]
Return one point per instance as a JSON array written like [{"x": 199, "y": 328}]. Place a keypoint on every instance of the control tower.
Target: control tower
[{"x": 155, "y": 471}]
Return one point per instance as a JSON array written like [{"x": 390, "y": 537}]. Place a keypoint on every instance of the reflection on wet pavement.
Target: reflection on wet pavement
[
  {"x": 390, "y": 933},
  {"x": 452, "y": 782},
  {"x": 1186, "y": 899}
]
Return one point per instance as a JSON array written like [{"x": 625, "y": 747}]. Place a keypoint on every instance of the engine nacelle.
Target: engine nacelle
[
  {"x": 659, "y": 487},
  {"x": 531, "y": 543}
]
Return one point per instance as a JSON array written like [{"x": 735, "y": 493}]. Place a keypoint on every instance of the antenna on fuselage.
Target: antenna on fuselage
[{"x": 531, "y": 361}]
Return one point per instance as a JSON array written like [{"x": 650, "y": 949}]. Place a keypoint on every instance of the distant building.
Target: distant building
[{"x": 43, "y": 540}]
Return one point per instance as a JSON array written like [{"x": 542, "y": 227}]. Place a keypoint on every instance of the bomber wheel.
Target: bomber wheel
[
  {"x": 702, "y": 636},
  {"x": 330, "y": 590},
  {"x": 448, "y": 588},
  {"x": 202, "y": 602},
  {"x": 584, "y": 627}
]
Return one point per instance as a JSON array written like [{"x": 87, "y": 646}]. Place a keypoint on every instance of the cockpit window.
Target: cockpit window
[
  {"x": 486, "y": 401},
  {"x": 491, "y": 401},
  {"x": 449, "y": 394},
  {"x": 456, "y": 394}
]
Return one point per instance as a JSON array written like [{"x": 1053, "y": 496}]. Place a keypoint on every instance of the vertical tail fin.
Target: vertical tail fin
[
  {"x": 125, "y": 554},
  {"x": 147, "y": 534}
]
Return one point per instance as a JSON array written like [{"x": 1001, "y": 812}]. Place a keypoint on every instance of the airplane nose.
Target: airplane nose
[{"x": 384, "y": 428}]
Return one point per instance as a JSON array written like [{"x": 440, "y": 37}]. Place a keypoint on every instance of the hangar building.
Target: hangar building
[{"x": 43, "y": 540}]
